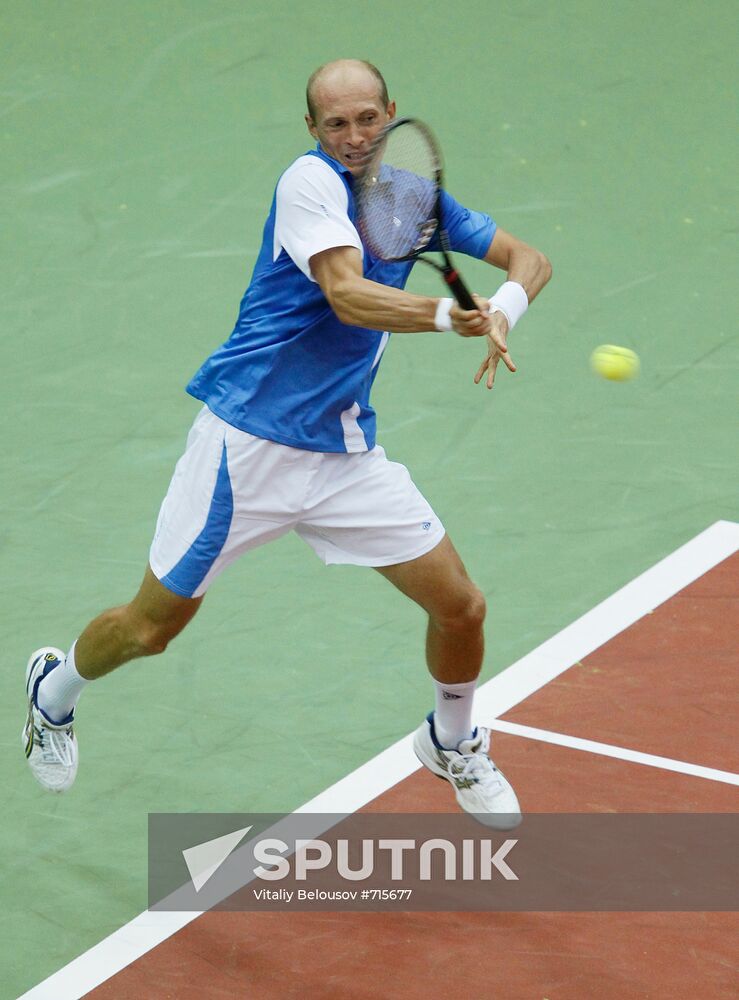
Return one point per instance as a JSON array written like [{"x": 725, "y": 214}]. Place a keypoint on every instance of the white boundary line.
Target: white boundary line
[
  {"x": 620, "y": 753},
  {"x": 497, "y": 696}
]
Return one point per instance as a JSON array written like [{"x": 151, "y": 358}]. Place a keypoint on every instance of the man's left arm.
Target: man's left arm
[{"x": 527, "y": 271}]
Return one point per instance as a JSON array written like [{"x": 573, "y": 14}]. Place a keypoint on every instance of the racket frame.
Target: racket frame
[{"x": 447, "y": 270}]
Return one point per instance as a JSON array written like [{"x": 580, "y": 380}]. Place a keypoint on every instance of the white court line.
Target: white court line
[
  {"x": 620, "y": 753},
  {"x": 388, "y": 768}
]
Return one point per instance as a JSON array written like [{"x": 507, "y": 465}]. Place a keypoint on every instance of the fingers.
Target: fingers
[
  {"x": 470, "y": 322},
  {"x": 498, "y": 335},
  {"x": 476, "y": 326},
  {"x": 490, "y": 365},
  {"x": 500, "y": 344},
  {"x": 509, "y": 363},
  {"x": 499, "y": 330}
]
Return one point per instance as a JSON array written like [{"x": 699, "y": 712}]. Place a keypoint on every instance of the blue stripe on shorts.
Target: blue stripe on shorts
[{"x": 193, "y": 567}]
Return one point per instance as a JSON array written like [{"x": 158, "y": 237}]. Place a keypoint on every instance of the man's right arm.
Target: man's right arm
[
  {"x": 357, "y": 301},
  {"x": 314, "y": 229}
]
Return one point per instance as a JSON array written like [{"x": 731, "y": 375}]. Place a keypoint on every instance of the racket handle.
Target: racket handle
[{"x": 458, "y": 288}]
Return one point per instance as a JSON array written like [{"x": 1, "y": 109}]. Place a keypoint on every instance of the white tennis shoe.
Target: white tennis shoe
[
  {"x": 481, "y": 789},
  {"x": 51, "y": 747}
]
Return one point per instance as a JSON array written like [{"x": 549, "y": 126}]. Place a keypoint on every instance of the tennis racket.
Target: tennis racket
[{"x": 398, "y": 199}]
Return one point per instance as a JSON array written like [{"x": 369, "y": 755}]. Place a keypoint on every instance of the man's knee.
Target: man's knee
[
  {"x": 156, "y": 616},
  {"x": 145, "y": 636},
  {"x": 464, "y": 614},
  {"x": 153, "y": 638}
]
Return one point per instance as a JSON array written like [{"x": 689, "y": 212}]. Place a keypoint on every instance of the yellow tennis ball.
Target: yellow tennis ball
[{"x": 618, "y": 364}]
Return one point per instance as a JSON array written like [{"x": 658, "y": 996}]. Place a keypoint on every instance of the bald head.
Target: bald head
[
  {"x": 340, "y": 77},
  {"x": 347, "y": 109}
]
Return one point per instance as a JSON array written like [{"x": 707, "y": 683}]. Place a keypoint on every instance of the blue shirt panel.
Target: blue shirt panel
[{"x": 290, "y": 368}]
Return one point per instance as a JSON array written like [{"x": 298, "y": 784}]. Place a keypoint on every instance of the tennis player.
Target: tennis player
[{"x": 285, "y": 441}]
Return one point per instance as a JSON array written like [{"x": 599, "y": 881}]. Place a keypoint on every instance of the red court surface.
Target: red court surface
[{"x": 665, "y": 687}]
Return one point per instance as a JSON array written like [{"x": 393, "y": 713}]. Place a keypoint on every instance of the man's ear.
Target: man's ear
[
  {"x": 391, "y": 110},
  {"x": 311, "y": 126}
]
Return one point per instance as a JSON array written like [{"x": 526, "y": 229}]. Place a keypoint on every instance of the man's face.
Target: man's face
[{"x": 349, "y": 114}]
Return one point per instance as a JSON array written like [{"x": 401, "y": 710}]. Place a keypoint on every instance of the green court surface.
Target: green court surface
[{"x": 140, "y": 148}]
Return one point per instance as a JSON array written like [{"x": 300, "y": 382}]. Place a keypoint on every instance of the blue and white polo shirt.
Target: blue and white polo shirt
[{"x": 291, "y": 372}]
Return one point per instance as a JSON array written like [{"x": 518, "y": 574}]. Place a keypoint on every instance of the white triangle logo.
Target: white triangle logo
[{"x": 204, "y": 860}]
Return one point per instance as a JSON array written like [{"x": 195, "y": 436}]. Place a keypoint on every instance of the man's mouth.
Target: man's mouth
[{"x": 355, "y": 159}]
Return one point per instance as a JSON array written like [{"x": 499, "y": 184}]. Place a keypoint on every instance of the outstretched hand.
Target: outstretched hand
[
  {"x": 481, "y": 322},
  {"x": 497, "y": 349}
]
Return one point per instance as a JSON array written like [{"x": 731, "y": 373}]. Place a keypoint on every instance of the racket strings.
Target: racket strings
[{"x": 397, "y": 195}]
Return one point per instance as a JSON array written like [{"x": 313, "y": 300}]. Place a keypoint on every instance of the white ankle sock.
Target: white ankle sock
[
  {"x": 59, "y": 691},
  {"x": 453, "y": 715}
]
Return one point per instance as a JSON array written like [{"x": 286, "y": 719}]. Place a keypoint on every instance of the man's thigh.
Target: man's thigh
[{"x": 437, "y": 581}]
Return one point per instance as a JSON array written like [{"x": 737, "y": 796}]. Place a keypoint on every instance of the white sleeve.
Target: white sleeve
[{"x": 311, "y": 213}]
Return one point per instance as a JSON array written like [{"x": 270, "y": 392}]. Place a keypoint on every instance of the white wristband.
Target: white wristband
[
  {"x": 511, "y": 300},
  {"x": 442, "y": 320}
]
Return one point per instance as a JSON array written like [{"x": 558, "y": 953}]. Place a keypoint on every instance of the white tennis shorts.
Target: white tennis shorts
[{"x": 231, "y": 492}]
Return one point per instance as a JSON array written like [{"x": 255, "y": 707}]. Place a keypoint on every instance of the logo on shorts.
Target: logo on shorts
[{"x": 426, "y": 525}]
